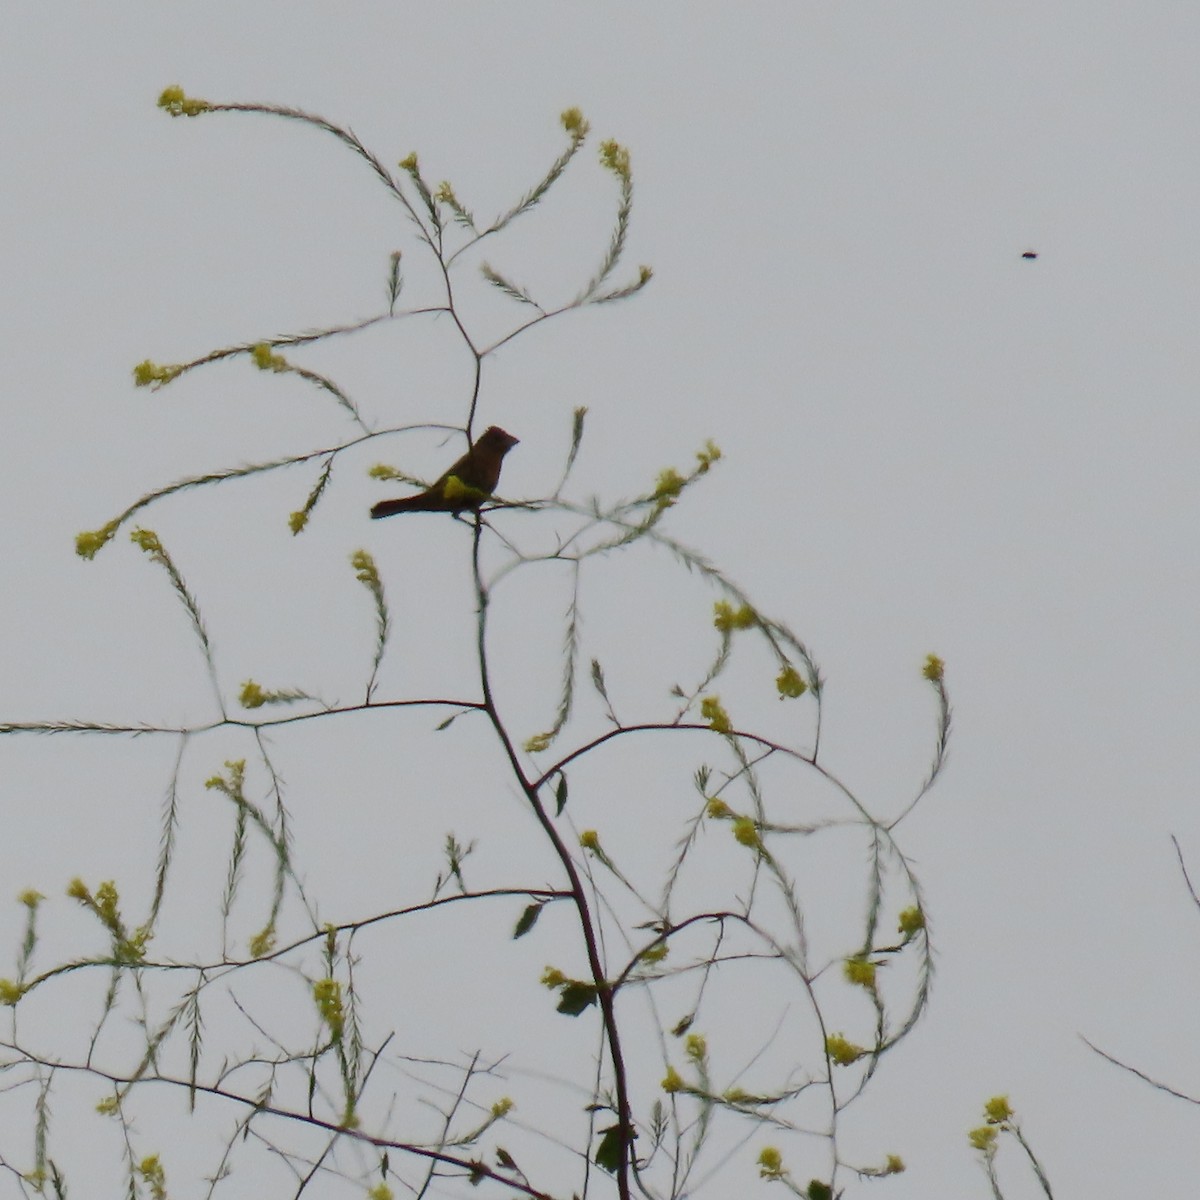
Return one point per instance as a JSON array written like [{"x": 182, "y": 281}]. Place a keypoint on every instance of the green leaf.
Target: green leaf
[
  {"x": 506, "y": 286},
  {"x": 608, "y": 1152},
  {"x": 527, "y": 920},
  {"x": 449, "y": 721},
  {"x": 576, "y": 997},
  {"x": 598, "y": 678}
]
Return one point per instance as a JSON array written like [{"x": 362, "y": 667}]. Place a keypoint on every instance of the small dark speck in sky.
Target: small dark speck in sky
[{"x": 1029, "y": 254}]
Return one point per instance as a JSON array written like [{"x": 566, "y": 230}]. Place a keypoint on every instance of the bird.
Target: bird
[
  {"x": 1029, "y": 254},
  {"x": 466, "y": 485}
]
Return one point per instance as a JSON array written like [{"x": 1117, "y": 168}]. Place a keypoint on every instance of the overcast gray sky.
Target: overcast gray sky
[{"x": 930, "y": 444}]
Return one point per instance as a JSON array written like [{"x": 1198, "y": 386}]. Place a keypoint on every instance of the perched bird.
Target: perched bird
[{"x": 466, "y": 485}]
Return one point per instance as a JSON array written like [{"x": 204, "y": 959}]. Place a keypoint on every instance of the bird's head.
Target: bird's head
[{"x": 497, "y": 439}]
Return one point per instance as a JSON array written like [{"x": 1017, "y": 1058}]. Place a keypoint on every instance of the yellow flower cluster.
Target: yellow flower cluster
[
  {"x": 575, "y": 124},
  {"x": 233, "y": 785},
  {"x": 151, "y": 1170},
  {"x": 327, "y": 995},
  {"x": 727, "y": 618},
  {"x": 266, "y": 360},
  {"x": 263, "y": 942},
  {"x": 860, "y": 972},
  {"x": 149, "y": 374},
  {"x": 668, "y": 485},
  {"x": 105, "y": 905},
  {"x": 179, "y": 105},
  {"x": 715, "y": 715},
  {"x": 790, "y": 684},
  {"x": 770, "y": 1163},
  {"x": 842, "y": 1051},
  {"x": 746, "y": 831},
  {"x": 615, "y": 158},
  {"x": 365, "y": 570},
  {"x": 148, "y": 540},
  {"x": 89, "y": 543}
]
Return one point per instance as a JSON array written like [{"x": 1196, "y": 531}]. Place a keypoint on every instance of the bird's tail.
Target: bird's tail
[{"x": 386, "y": 508}]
